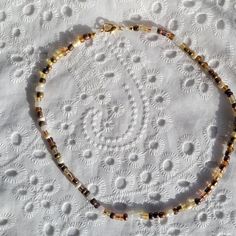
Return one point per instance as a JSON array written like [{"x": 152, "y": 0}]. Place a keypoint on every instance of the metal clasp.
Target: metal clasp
[{"x": 110, "y": 27}]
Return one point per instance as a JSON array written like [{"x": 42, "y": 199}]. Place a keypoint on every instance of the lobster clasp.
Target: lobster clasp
[{"x": 110, "y": 27}]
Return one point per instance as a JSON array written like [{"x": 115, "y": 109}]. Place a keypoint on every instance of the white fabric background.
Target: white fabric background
[{"x": 134, "y": 118}]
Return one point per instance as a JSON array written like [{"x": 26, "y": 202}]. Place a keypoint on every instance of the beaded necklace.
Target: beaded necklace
[{"x": 110, "y": 28}]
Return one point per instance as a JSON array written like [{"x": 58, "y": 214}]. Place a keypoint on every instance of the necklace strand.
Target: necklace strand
[{"x": 217, "y": 173}]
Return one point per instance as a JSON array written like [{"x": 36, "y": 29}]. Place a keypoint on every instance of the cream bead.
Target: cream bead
[
  {"x": 44, "y": 127},
  {"x": 154, "y": 29},
  {"x": 169, "y": 212},
  {"x": 60, "y": 161}
]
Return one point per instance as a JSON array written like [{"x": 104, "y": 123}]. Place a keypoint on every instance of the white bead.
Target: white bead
[
  {"x": 101, "y": 208},
  {"x": 41, "y": 119},
  {"x": 37, "y": 103},
  {"x": 154, "y": 29},
  {"x": 60, "y": 161},
  {"x": 169, "y": 212},
  {"x": 177, "y": 41},
  {"x": 41, "y": 85},
  {"x": 39, "y": 88},
  {"x": 90, "y": 197}
]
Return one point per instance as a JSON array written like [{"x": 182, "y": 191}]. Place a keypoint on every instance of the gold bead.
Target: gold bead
[
  {"x": 232, "y": 99},
  {"x": 190, "y": 203},
  {"x": 46, "y": 134},
  {"x": 144, "y": 28},
  {"x": 183, "y": 46},
  {"x": 233, "y": 134},
  {"x": 81, "y": 39},
  {"x": 77, "y": 42},
  {"x": 221, "y": 84},
  {"x": 144, "y": 215},
  {"x": 106, "y": 212},
  {"x": 49, "y": 62},
  {"x": 230, "y": 148},
  {"x": 42, "y": 75},
  {"x": 225, "y": 87},
  {"x": 217, "y": 174}
]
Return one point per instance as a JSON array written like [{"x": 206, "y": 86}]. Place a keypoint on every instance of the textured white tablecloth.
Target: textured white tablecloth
[{"x": 134, "y": 118}]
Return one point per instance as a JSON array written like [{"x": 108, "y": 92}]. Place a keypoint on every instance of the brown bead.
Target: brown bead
[
  {"x": 217, "y": 80},
  {"x": 95, "y": 203},
  {"x": 112, "y": 214},
  {"x": 214, "y": 182},
  {"x": 51, "y": 142},
  {"x": 118, "y": 216},
  {"x": 42, "y": 123},
  {"x": 186, "y": 49},
  {"x": 38, "y": 109},
  {"x": 161, "y": 214},
  {"x": 233, "y": 105},
  {"x": 226, "y": 158},
  {"x": 39, "y": 113},
  {"x": 177, "y": 209},
  {"x": 70, "y": 47},
  {"x": 228, "y": 92},
  {"x": 62, "y": 166},
  {"x": 70, "y": 176},
  {"x": 45, "y": 133},
  {"x": 125, "y": 216},
  {"x": 87, "y": 36},
  {"x": 211, "y": 72},
  {"x": 165, "y": 32},
  {"x": 199, "y": 59},
  {"x": 57, "y": 156},
  {"x": 197, "y": 200},
  {"x": 204, "y": 65},
  {"x": 83, "y": 190},
  {"x": 42, "y": 80},
  {"x": 40, "y": 95},
  {"x": 207, "y": 189},
  {"x": 150, "y": 215},
  {"x": 53, "y": 59},
  {"x": 155, "y": 214},
  {"x": 134, "y": 27},
  {"x": 223, "y": 165},
  {"x": 46, "y": 69}
]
